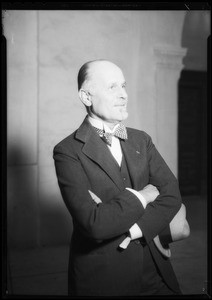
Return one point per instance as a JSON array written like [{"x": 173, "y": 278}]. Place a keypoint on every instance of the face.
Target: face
[{"x": 108, "y": 94}]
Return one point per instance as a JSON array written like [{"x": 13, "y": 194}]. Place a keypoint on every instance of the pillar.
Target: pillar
[{"x": 168, "y": 66}]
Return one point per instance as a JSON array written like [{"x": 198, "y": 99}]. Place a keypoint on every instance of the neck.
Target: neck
[{"x": 111, "y": 124}]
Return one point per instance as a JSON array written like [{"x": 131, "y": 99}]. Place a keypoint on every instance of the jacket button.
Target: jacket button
[{"x": 137, "y": 242}]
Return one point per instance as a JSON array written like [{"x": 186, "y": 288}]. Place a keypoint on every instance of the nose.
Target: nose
[{"x": 123, "y": 94}]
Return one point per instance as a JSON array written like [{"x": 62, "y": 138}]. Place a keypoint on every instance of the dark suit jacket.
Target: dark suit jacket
[{"x": 83, "y": 162}]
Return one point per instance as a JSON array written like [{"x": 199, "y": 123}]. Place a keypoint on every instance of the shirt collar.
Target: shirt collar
[{"x": 100, "y": 124}]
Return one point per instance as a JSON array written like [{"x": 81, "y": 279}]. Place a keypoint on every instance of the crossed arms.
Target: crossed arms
[
  {"x": 120, "y": 209},
  {"x": 179, "y": 227}
]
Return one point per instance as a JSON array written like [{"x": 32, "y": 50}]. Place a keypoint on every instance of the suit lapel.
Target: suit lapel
[
  {"x": 98, "y": 152},
  {"x": 133, "y": 160}
]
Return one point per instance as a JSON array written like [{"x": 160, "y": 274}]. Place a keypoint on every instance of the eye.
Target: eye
[
  {"x": 113, "y": 86},
  {"x": 124, "y": 85}
]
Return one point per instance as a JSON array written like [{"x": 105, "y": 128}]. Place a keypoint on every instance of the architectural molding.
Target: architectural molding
[{"x": 170, "y": 56}]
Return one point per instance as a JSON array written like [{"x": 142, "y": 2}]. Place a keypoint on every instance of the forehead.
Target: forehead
[{"x": 105, "y": 72}]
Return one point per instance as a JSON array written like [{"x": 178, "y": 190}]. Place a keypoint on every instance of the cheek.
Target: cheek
[
  {"x": 104, "y": 104},
  {"x": 110, "y": 109}
]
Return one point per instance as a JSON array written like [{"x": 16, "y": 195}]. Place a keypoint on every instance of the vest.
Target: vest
[{"x": 125, "y": 174}]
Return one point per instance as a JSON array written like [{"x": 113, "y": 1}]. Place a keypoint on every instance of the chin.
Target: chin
[
  {"x": 116, "y": 118},
  {"x": 124, "y": 116}
]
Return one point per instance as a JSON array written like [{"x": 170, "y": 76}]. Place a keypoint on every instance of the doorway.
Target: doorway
[{"x": 192, "y": 133}]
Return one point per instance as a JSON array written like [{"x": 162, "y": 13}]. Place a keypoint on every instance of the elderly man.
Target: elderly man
[{"x": 120, "y": 193}]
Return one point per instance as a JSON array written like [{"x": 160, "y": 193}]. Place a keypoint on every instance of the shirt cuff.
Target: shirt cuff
[
  {"x": 140, "y": 197},
  {"x": 135, "y": 232},
  {"x": 125, "y": 243}
]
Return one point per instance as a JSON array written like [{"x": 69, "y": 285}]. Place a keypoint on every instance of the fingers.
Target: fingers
[
  {"x": 151, "y": 188},
  {"x": 150, "y": 193}
]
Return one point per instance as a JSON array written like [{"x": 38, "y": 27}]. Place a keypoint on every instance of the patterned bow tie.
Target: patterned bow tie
[{"x": 120, "y": 132}]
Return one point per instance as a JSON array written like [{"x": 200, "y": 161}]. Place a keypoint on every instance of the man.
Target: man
[{"x": 120, "y": 193}]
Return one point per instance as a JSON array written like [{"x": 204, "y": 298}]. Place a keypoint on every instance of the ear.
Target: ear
[{"x": 85, "y": 97}]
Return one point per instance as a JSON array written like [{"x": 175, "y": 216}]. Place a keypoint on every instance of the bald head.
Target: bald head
[
  {"x": 102, "y": 89},
  {"x": 91, "y": 69}
]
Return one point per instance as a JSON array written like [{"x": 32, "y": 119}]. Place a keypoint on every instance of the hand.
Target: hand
[{"x": 150, "y": 193}]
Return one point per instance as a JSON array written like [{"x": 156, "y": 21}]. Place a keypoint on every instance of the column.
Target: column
[{"x": 168, "y": 63}]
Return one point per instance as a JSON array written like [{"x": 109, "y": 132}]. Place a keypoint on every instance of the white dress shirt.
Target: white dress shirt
[{"x": 115, "y": 149}]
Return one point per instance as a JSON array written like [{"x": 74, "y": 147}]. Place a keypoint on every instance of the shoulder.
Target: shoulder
[
  {"x": 66, "y": 145},
  {"x": 138, "y": 134},
  {"x": 140, "y": 138}
]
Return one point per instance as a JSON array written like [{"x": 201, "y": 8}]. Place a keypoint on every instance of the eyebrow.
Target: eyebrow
[{"x": 114, "y": 82}]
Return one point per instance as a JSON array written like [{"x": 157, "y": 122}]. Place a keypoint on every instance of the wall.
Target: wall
[
  {"x": 45, "y": 52},
  {"x": 22, "y": 123}
]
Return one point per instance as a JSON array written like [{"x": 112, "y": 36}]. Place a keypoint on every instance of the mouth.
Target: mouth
[{"x": 122, "y": 105}]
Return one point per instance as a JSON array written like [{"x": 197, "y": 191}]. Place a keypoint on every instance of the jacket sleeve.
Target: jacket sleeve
[
  {"x": 158, "y": 214},
  {"x": 98, "y": 222}
]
